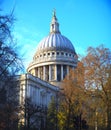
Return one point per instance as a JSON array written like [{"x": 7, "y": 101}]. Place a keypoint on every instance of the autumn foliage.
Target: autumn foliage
[{"x": 86, "y": 95}]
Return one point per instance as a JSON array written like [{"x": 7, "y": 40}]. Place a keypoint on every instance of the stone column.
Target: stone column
[
  {"x": 33, "y": 72},
  {"x": 61, "y": 72},
  {"x": 44, "y": 73},
  {"x": 38, "y": 72},
  {"x": 49, "y": 72},
  {"x": 56, "y": 72}
]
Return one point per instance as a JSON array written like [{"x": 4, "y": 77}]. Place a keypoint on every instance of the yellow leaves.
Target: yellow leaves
[
  {"x": 76, "y": 76},
  {"x": 74, "y": 91},
  {"x": 88, "y": 87}
]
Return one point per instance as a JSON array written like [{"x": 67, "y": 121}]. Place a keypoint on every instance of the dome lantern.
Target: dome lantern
[{"x": 54, "y": 27}]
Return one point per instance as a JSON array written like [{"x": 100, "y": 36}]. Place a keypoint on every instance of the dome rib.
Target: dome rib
[
  {"x": 55, "y": 41},
  {"x": 58, "y": 41}
]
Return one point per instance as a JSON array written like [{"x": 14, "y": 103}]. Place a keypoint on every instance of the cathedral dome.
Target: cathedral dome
[
  {"x": 54, "y": 42},
  {"x": 54, "y": 57}
]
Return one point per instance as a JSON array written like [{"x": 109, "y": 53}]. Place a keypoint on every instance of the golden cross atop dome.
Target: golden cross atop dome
[{"x": 54, "y": 12}]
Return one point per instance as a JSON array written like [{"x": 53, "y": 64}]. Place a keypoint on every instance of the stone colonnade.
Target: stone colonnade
[{"x": 52, "y": 72}]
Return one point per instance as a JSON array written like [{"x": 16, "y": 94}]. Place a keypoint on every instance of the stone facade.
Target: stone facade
[{"x": 39, "y": 91}]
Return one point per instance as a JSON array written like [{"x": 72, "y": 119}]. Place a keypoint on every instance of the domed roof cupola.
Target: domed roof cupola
[
  {"x": 54, "y": 56},
  {"x": 54, "y": 27},
  {"x": 55, "y": 40}
]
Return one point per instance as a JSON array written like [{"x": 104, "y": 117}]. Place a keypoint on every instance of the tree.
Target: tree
[
  {"x": 97, "y": 65},
  {"x": 86, "y": 95},
  {"x": 71, "y": 109},
  {"x": 10, "y": 64},
  {"x": 52, "y": 119},
  {"x": 9, "y": 107},
  {"x": 32, "y": 116}
]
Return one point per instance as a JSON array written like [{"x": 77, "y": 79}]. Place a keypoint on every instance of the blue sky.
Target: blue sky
[{"x": 85, "y": 22}]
